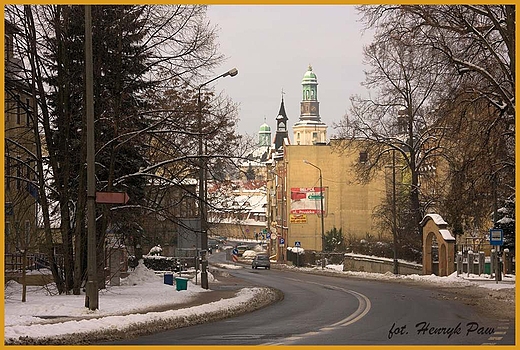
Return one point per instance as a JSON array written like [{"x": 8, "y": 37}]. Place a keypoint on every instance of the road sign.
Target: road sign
[
  {"x": 235, "y": 251},
  {"x": 268, "y": 235},
  {"x": 112, "y": 197},
  {"x": 496, "y": 236},
  {"x": 314, "y": 196},
  {"x": 282, "y": 241},
  {"x": 297, "y": 244}
]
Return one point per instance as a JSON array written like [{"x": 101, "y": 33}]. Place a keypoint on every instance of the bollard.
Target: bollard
[
  {"x": 507, "y": 261},
  {"x": 492, "y": 264},
  {"x": 459, "y": 263},
  {"x": 470, "y": 262},
  {"x": 481, "y": 262}
]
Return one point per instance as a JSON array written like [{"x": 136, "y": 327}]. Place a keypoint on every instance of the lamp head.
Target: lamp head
[{"x": 233, "y": 72}]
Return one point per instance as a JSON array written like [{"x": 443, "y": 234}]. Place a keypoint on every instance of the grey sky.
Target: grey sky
[{"x": 272, "y": 46}]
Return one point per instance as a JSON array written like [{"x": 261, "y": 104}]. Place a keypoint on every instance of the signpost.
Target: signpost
[
  {"x": 496, "y": 236},
  {"x": 297, "y": 244},
  {"x": 496, "y": 239},
  {"x": 112, "y": 197}
]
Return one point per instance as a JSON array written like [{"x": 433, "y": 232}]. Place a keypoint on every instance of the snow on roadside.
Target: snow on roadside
[{"x": 121, "y": 322}]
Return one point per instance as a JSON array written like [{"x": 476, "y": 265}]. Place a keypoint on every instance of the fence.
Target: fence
[{"x": 36, "y": 261}]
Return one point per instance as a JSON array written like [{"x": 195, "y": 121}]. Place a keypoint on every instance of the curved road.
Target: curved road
[{"x": 328, "y": 310}]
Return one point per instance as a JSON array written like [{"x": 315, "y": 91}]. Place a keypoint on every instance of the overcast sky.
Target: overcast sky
[{"x": 272, "y": 46}]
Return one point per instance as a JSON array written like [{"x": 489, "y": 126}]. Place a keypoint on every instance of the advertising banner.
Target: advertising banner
[
  {"x": 298, "y": 218},
  {"x": 307, "y": 200}
]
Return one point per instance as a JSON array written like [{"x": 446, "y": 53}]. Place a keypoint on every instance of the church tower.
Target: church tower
[
  {"x": 309, "y": 130},
  {"x": 264, "y": 135},
  {"x": 281, "y": 128}
]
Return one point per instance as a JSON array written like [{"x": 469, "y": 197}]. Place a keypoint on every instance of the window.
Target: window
[
  {"x": 18, "y": 110},
  {"x": 8, "y": 172},
  {"x": 363, "y": 157},
  {"x": 19, "y": 174},
  {"x": 7, "y": 237},
  {"x": 28, "y": 112},
  {"x": 27, "y": 232}
]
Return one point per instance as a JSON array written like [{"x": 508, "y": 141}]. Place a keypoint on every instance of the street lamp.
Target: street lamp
[
  {"x": 202, "y": 183},
  {"x": 321, "y": 206}
]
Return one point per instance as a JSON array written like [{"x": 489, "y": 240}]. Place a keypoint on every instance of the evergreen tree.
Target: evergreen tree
[{"x": 334, "y": 241}]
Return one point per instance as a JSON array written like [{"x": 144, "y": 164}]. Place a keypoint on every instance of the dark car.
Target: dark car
[
  {"x": 212, "y": 244},
  {"x": 261, "y": 261}
]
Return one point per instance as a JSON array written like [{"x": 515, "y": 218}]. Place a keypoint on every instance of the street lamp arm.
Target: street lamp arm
[
  {"x": 309, "y": 163},
  {"x": 231, "y": 72}
]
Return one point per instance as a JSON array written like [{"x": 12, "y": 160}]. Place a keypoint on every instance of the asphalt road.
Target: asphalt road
[{"x": 328, "y": 310}]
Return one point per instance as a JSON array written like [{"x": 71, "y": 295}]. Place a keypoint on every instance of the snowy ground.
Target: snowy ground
[{"x": 46, "y": 315}]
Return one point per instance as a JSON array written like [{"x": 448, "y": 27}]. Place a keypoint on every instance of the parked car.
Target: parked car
[{"x": 261, "y": 261}]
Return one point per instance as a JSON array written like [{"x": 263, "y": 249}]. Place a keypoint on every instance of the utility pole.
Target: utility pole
[
  {"x": 394, "y": 215},
  {"x": 92, "y": 296}
]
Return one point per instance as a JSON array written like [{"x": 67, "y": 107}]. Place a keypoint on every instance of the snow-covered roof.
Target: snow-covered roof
[
  {"x": 446, "y": 234},
  {"x": 439, "y": 221}
]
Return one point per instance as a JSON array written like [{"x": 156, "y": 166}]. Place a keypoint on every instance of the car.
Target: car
[
  {"x": 212, "y": 244},
  {"x": 261, "y": 261},
  {"x": 241, "y": 249}
]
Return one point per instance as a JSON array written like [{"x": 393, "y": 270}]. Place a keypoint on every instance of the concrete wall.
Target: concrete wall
[{"x": 369, "y": 264}]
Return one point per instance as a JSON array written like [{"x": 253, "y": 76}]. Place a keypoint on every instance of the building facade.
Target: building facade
[
  {"x": 21, "y": 192},
  {"x": 346, "y": 203}
]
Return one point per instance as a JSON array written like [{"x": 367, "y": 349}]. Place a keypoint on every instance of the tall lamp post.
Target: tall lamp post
[
  {"x": 202, "y": 183},
  {"x": 321, "y": 206}
]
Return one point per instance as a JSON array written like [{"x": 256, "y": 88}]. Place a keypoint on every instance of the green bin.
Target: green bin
[{"x": 181, "y": 283}]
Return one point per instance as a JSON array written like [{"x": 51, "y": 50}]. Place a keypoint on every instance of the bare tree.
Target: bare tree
[
  {"x": 399, "y": 117},
  {"x": 463, "y": 111},
  {"x": 478, "y": 44}
]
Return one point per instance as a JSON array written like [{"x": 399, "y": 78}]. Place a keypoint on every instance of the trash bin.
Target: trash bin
[
  {"x": 181, "y": 283},
  {"x": 168, "y": 279},
  {"x": 487, "y": 268}
]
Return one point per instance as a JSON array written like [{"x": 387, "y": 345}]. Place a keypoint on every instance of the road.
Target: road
[{"x": 329, "y": 310}]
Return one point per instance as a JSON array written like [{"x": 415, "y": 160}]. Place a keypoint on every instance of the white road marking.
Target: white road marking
[{"x": 364, "y": 306}]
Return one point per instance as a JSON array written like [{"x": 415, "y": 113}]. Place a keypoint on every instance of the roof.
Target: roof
[
  {"x": 309, "y": 77},
  {"x": 446, "y": 234},
  {"x": 439, "y": 221},
  {"x": 265, "y": 127},
  {"x": 281, "y": 112}
]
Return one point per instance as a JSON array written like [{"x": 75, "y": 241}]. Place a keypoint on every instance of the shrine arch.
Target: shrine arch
[{"x": 438, "y": 245}]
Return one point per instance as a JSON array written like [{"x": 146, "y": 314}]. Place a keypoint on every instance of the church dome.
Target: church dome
[
  {"x": 265, "y": 127},
  {"x": 309, "y": 76}
]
